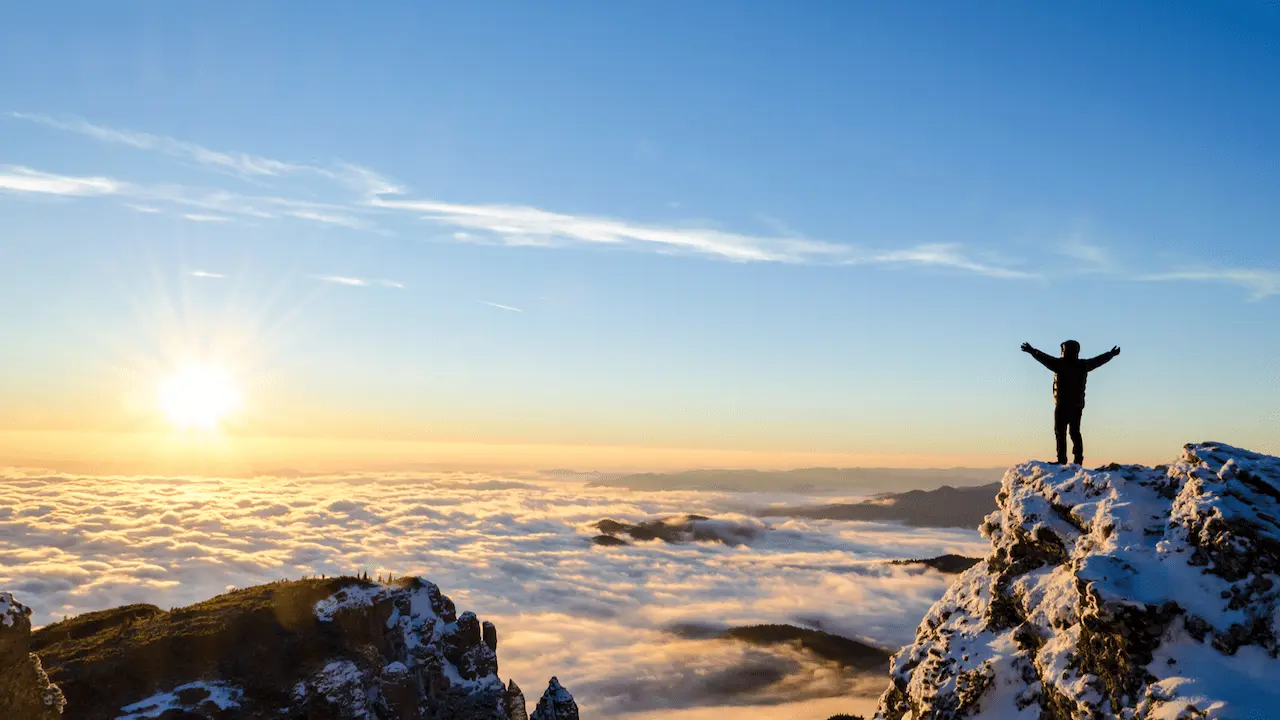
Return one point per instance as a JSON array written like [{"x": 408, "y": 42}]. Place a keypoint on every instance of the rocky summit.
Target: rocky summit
[
  {"x": 1123, "y": 592},
  {"x": 327, "y": 649}
]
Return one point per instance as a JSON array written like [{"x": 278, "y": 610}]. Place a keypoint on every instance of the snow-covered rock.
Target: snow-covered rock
[
  {"x": 25, "y": 690},
  {"x": 556, "y": 704},
  {"x": 1124, "y": 592},
  {"x": 324, "y": 648}
]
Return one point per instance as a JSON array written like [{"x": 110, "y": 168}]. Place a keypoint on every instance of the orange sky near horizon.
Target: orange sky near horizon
[{"x": 192, "y": 454}]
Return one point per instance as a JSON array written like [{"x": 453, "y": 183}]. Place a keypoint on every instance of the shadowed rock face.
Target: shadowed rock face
[
  {"x": 949, "y": 564},
  {"x": 1127, "y": 592},
  {"x": 333, "y": 648},
  {"x": 25, "y": 690},
  {"x": 515, "y": 703}
]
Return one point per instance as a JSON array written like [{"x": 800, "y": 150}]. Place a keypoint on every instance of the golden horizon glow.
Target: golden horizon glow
[{"x": 198, "y": 397}]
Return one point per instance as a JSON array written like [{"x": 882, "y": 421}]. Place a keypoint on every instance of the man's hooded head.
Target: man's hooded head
[{"x": 1071, "y": 349}]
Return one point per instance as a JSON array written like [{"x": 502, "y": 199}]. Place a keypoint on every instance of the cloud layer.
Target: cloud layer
[{"x": 515, "y": 549}]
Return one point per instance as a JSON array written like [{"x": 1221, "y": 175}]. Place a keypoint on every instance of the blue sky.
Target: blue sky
[{"x": 823, "y": 227}]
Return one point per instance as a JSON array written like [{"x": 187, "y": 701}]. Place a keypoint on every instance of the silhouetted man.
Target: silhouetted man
[{"x": 1069, "y": 376}]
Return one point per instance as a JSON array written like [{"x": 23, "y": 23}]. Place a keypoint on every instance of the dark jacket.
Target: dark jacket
[{"x": 1070, "y": 375}]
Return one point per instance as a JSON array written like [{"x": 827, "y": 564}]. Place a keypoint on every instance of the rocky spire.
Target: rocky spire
[
  {"x": 25, "y": 690},
  {"x": 556, "y": 704},
  {"x": 514, "y": 702}
]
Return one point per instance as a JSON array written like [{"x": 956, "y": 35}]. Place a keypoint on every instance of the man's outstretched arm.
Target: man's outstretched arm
[
  {"x": 1103, "y": 359},
  {"x": 1043, "y": 358}
]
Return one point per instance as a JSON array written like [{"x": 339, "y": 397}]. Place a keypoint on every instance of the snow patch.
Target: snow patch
[{"x": 222, "y": 695}]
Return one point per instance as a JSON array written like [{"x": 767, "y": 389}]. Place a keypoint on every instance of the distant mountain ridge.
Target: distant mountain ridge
[
  {"x": 946, "y": 506},
  {"x": 807, "y": 480}
]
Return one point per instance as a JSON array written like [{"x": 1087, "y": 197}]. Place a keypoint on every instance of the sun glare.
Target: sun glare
[{"x": 198, "y": 398}]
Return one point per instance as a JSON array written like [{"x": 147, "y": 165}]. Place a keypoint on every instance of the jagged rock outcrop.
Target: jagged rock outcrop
[
  {"x": 1125, "y": 592},
  {"x": 25, "y": 690},
  {"x": 332, "y": 648},
  {"x": 515, "y": 703},
  {"x": 556, "y": 704}
]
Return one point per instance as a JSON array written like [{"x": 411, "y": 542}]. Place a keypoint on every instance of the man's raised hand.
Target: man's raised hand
[
  {"x": 1115, "y": 350},
  {"x": 1026, "y": 348}
]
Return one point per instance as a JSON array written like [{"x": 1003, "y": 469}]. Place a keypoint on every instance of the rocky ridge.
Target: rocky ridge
[
  {"x": 333, "y": 648},
  {"x": 25, "y": 690},
  {"x": 1124, "y": 592}
]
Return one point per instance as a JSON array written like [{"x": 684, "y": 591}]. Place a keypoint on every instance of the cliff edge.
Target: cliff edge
[{"x": 1124, "y": 592}]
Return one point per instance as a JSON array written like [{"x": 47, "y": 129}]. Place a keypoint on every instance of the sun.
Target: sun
[{"x": 198, "y": 397}]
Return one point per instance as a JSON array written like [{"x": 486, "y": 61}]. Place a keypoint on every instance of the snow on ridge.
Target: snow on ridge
[
  {"x": 349, "y": 597},
  {"x": 223, "y": 695},
  {"x": 11, "y": 609},
  {"x": 1123, "y": 592}
]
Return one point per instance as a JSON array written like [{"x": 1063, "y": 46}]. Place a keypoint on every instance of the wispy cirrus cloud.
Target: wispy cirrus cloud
[
  {"x": 523, "y": 224},
  {"x": 1261, "y": 283},
  {"x": 1089, "y": 257},
  {"x": 342, "y": 280},
  {"x": 358, "y": 195},
  {"x": 513, "y": 225},
  {"x": 238, "y": 163},
  {"x": 206, "y": 274},
  {"x": 206, "y": 218},
  {"x": 500, "y": 306},
  {"x": 359, "y": 282},
  {"x": 947, "y": 255},
  {"x": 530, "y": 226},
  {"x": 23, "y": 179}
]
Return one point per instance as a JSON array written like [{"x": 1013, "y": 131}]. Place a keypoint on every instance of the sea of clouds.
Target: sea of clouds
[{"x": 514, "y": 548}]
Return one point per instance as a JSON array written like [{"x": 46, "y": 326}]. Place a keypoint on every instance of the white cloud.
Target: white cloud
[
  {"x": 205, "y": 274},
  {"x": 147, "y": 209},
  {"x": 329, "y": 218},
  {"x": 949, "y": 255},
  {"x": 515, "y": 549},
  {"x": 1260, "y": 283},
  {"x": 1091, "y": 257},
  {"x": 359, "y": 282},
  {"x": 522, "y": 223},
  {"x": 23, "y": 179},
  {"x": 243, "y": 164},
  {"x": 513, "y": 225},
  {"x": 501, "y": 307},
  {"x": 206, "y": 218},
  {"x": 240, "y": 163},
  {"x": 343, "y": 280}
]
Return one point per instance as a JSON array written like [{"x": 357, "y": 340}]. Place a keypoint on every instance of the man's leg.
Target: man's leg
[
  {"x": 1077, "y": 442},
  {"x": 1060, "y": 417}
]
